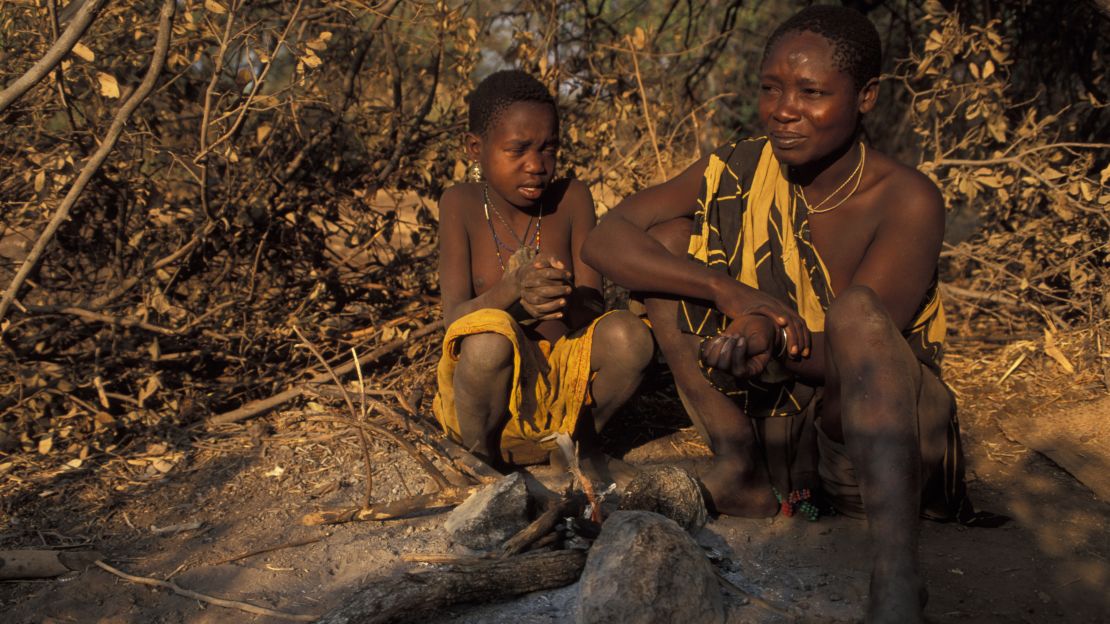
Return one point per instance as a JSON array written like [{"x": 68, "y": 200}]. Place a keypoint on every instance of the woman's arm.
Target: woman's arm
[{"x": 621, "y": 248}]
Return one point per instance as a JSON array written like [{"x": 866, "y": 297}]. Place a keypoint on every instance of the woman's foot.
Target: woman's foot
[{"x": 735, "y": 490}]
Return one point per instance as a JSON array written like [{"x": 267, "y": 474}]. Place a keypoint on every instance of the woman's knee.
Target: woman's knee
[
  {"x": 485, "y": 353},
  {"x": 857, "y": 316},
  {"x": 622, "y": 335},
  {"x": 673, "y": 234}
]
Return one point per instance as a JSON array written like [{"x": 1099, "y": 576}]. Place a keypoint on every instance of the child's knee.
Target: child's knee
[
  {"x": 485, "y": 353},
  {"x": 623, "y": 335}
]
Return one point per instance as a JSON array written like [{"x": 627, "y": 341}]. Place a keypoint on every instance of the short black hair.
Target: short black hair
[
  {"x": 858, "y": 49},
  {"x": 499, "y": 91}
]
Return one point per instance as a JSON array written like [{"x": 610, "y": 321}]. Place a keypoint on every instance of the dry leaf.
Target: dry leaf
[
  {"x": 261, "y": 132},
  {"x": 215, "y": 7},
  {"x": 46, "y": 444},
  {"x": 266, "y": 100},
  {"x": 162, "y": 465},
  {"x": 108, "y": 85},
  {"x": 311, "y": 60},
  {"x": 1055, "y": 353},
  {"x": 276, "y": 472},
  {"x": 638, "y": 38},
  {"x": 82, "y": 51}
]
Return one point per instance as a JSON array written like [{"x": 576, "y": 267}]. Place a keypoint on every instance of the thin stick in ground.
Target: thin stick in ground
[
  {"x": 351, "y": 407},
  {"x": 220, "y": 602}
]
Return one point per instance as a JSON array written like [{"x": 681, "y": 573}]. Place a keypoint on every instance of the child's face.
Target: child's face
[
  {"x": 517, "y": 154},
  {"x": 808, "y": 106}
]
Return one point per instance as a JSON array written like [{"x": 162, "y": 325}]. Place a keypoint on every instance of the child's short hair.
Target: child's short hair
[
  {"x": 858, "y": 50},
  {"x": 499, "y": 91}
]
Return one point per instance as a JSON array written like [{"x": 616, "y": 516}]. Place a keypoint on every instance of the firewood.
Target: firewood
[{"x": 416, "y": 597}]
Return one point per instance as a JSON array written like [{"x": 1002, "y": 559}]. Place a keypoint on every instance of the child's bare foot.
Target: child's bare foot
[
  {"x": 734, "y": 490},
  {"x": 897, "y": 594}
]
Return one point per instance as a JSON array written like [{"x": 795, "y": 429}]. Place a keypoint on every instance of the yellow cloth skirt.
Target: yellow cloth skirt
[{"x": 550, "y": 383}]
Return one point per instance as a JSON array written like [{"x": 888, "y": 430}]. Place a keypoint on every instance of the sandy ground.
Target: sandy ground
[{"x": 249, "y": 485}]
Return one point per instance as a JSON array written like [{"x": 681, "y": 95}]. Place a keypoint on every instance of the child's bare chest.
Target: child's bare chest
[{"x": 490, "y": 254}]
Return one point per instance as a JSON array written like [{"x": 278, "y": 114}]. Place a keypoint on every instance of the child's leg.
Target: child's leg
[
  {"x": 481, "y": 383},
  {"x": 621, "y": 349}
]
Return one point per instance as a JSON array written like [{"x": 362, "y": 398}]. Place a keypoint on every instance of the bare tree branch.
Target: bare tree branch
[
  {"x": 54, "y": 55},
  {"x": 161, "y": 47}
]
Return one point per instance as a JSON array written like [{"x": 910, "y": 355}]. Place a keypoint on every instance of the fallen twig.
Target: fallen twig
[
  {"x": 392, "y": 510},
  {"x": 541, "y": 526},
  {"x": 32, "y": 564},
  {"x": 220, "y": 602},
  {"x": 174, "y": 529},
  {"x": 262, "y": 551}
]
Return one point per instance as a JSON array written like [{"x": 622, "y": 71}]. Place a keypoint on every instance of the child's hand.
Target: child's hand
[
  {"x": 544, "y": 286},
  {"x": 520, "y": 258}
]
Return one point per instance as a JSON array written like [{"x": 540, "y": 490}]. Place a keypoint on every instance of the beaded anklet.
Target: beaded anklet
[{"x": 798, "y": 502}]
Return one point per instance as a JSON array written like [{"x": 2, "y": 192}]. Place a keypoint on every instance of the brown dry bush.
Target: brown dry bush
[{"x": 283, "y": 174}]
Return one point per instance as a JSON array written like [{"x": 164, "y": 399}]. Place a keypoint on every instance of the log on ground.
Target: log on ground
[{"x": 415, "y": 597}]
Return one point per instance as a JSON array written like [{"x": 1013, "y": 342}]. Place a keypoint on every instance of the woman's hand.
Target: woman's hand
[
  {"x": 744, "y": 348},
  {"x": 737, "y": 301}
]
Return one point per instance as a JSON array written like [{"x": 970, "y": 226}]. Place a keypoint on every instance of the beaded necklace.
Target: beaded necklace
[
  {"x": 497, "y": 242},
  {"x": 857, "y": 173}
]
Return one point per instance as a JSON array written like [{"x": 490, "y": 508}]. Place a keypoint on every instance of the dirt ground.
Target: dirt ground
[{"x": 248, "y": 486}]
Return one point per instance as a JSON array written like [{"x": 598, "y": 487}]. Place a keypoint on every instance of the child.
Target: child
[{"x": 528, "y": 352}]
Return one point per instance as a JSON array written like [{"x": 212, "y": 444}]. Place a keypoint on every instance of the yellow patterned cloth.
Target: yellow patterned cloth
[
  {"x": 549, "y": 388},
  {"x": 751, "y": 224}
]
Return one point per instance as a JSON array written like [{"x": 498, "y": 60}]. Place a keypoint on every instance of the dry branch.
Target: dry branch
[
  {"x": 262, "y": 406},
  {"x": 161, "y": 46},
  {"x": 541, "y": 526},
  {"x": 29, "y": 564},
  {"x": 62, "y": 46},
  {"x": 391, "y": 510},
  {"x": 417, "y": 597},
  {"x": 220, "y": 602},
  {"x": 433, "y": 472},
  {"x": 267, "y": 549},
  {"x": 462, "y": 461}
]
